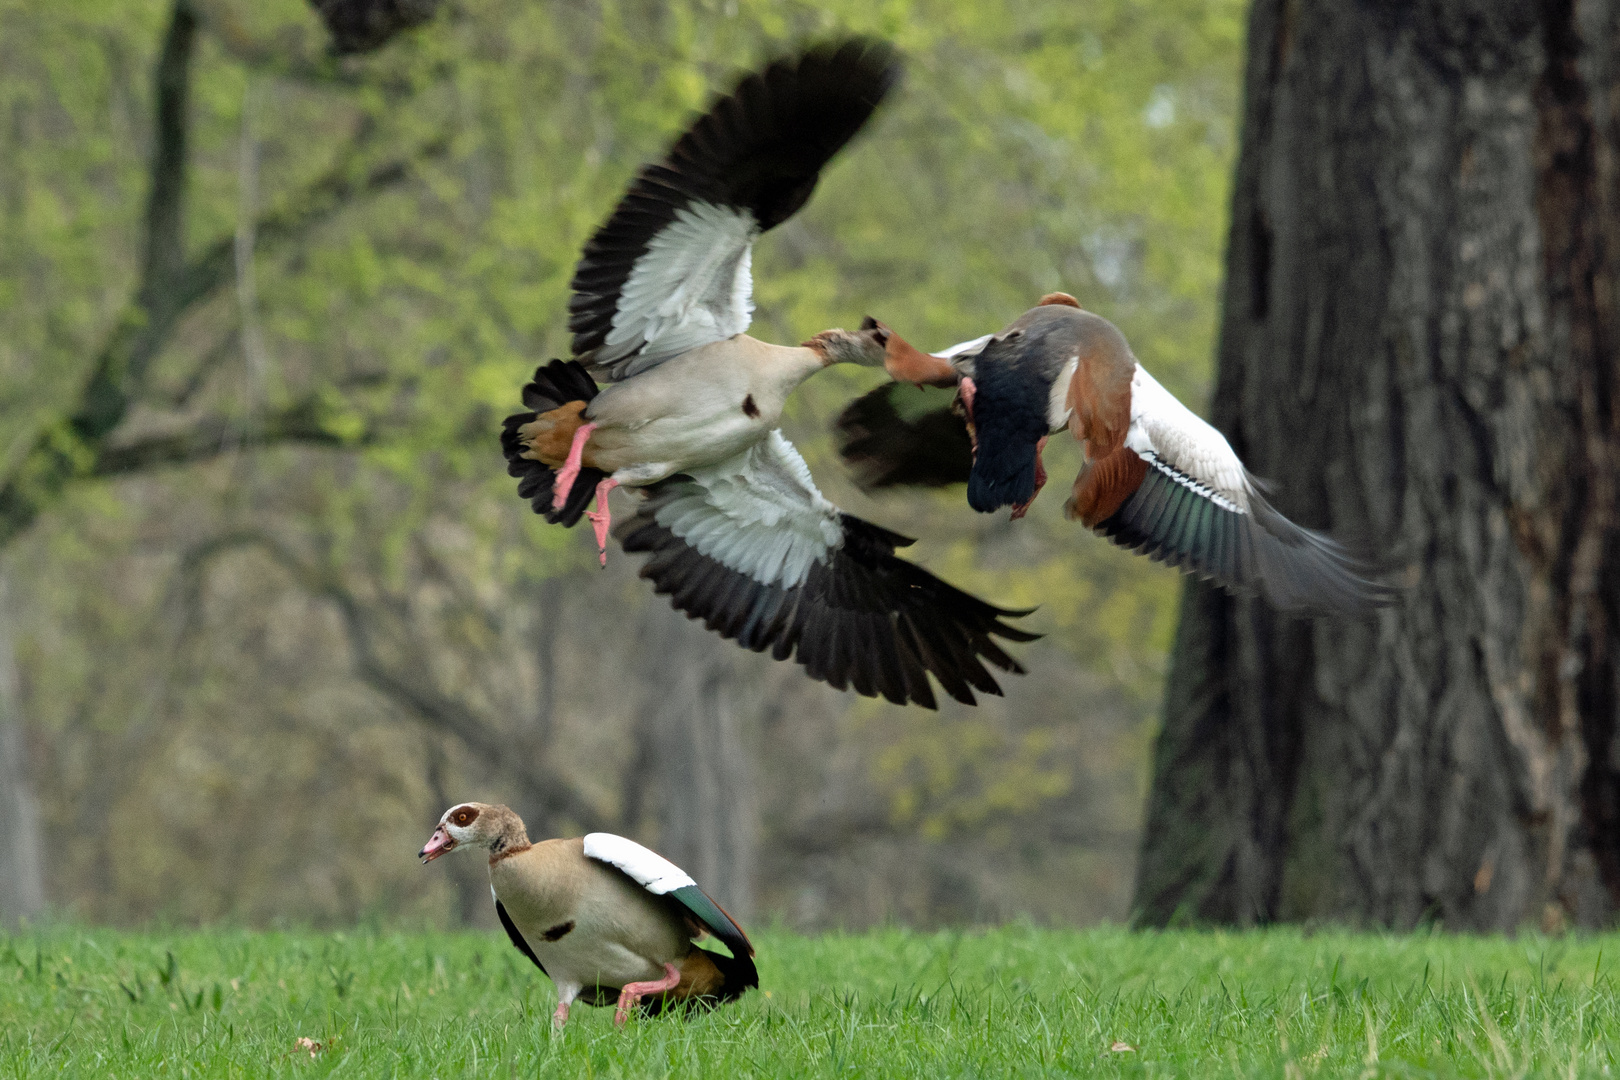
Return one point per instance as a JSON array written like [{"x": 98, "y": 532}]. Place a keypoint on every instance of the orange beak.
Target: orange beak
[
  {"x": 440, "y": 842},
  {"x": 906, "y": 363}
]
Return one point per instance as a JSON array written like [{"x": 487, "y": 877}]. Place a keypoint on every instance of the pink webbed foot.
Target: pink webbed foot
[
  {"x": 560, "y": 1016},
  {"x": 602, "y": 517},
  {"x": 1040, "y": 481},
  {"x": 631, "y": 993},
  {"x": 569, "y": 472}
]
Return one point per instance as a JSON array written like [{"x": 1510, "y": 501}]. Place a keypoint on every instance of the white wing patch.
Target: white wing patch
[
  {"x": 692, "y": 286},
  {"x": 758, "y": 513},
  {"x": 1199, "y": 488},
  {"x": 962, "y": 348},
  {"x": 1057, "y": 399},
  {"x": 650, "y": 870},
  {"x": 1164, "y": 427}
]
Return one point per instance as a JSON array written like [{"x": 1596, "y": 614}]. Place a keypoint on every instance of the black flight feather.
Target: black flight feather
[
  {"x": 760, "y": 149},
  {"x": 517, "y": 938},
  {"x": 555, "y": 385},
  {"x": 1175, "y": 519},
  {"x": 862, "y": 618}
]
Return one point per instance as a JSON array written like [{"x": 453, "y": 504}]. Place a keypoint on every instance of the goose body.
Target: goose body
[
  {"x": 738, "y": 534},
  {"x": 701, "y": 408},
  {"x": 603, "y": 917},
  {"x": 1157, "y": 478}
]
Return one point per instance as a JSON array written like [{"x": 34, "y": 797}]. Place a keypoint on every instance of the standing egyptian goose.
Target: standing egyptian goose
[
  {"x": 738, "y": 533},
  {"x": 1157, "y": 478},
  {"x": 602, "y": 916}
]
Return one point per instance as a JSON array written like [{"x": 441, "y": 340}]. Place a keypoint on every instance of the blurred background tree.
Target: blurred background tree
[{"x": 270, "y": 601}]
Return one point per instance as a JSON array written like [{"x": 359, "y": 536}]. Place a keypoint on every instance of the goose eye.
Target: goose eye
[{"x": 465, "y": 816}]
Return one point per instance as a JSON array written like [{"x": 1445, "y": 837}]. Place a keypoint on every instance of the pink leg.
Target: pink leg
[
  {"x": 601, "y": 517},
  {"x": 570, "y": 470},
  {"x": 560, "y": 1017},
  {"x": 634, "y": 992},
  {"x": 965, "y": 389},
  {"x": 1040, "y": 481}
]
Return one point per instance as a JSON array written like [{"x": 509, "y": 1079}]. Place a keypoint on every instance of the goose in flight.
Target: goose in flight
[
  {"x": 601, "y": 916},
  {"x": 1157, "y": 478},
  {"x": 738, "y": 534}
]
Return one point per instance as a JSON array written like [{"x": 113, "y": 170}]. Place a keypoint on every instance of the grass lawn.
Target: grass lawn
[{"x": 1012, "y": 1002}]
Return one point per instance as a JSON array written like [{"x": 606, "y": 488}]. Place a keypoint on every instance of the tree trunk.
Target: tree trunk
[
  {"x": 1418, "y": 347},
  {"x": 22, "y": 848},
  {"x": 701, "y": 764}
]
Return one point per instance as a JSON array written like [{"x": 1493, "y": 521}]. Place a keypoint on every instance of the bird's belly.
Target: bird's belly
[
  {"x": 680, "y": 441},
  {"x": 595, "y": 963},
  {"x": 696, "y": 410}
]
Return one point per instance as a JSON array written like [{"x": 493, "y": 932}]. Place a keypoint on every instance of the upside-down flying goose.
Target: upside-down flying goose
[
  {"x": 1157, "y": 478},
  {"x": 738, "y": 534},
  {"x": 605, "y": 918}
]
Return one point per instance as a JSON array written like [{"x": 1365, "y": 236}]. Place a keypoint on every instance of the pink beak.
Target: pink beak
[{"x": 440, "y": 842}]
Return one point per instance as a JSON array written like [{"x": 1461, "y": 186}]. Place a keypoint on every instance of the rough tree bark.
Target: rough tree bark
[
  {"x": 22, "y": 864},
  {"x": 697, "y": 759},
  {"x": 1418, "y": 346}
]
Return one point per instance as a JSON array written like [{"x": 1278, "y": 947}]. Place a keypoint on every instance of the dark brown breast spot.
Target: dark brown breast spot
[
  {"x": 558, "y": 932},
  {"x": 750, "y": 410}
]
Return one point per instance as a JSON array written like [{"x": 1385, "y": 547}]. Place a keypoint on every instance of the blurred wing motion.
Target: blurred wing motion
[
  {"x": 899, "y": 434},
  {"x": 669, "y": 270},
  {"x": 755, "y": 551},
  {"x": 1176, "y": 492}
]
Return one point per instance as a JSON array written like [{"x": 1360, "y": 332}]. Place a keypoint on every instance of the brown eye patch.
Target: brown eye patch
[{"x": 465, "y": 815}]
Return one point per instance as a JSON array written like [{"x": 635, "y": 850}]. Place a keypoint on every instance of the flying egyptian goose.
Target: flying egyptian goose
[
  {"x": 1157, "y": 479},
  {"x": 602, "y": 916},
  {"x": 738, "y": 534}
]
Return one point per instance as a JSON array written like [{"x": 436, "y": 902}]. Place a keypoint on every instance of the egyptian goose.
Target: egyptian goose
[
  {"x": 1157, "y": 479},
  {"x": 738, "y": 533},
  {"x": 602, "y": 916}
]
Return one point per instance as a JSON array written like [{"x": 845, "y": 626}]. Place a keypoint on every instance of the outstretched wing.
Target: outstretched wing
[
  {"x": 1174, "y": 518},
  {"x": 900, "y": 434},
  {"x": 669, "y": 270},
  {"x": 1177, "y": 492},
  {"x": 755, "y": 551},
  {"x": 661, "y": 877}
]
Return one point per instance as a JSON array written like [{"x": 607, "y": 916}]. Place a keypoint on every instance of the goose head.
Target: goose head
[
  {"x": 475, "y": 824},
  {"x": 905, "y": 362}
]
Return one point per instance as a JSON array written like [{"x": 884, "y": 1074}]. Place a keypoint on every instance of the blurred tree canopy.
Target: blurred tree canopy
[{"x": 261, "y": 551}]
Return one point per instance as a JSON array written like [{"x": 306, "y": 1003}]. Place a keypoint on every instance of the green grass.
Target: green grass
[{"x": 1012, "y": 1002}]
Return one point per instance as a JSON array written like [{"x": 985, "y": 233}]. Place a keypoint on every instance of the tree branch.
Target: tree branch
[
  {"x": 410, "y": 689},
  {"x": 103, "y": 402},
  {"x": 166, "y": 201},
  {"x": 299, "y": 423},
  {"x": 70, "y": 449}
]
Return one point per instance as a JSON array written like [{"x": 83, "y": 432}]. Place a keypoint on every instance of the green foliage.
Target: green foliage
[
  {"x": 1033, "y": 146},
  {"x": 1012, "y": 1002}
]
